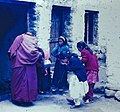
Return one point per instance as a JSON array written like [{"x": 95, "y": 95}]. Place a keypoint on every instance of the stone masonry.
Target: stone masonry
[{"x": 108, "y": 32}]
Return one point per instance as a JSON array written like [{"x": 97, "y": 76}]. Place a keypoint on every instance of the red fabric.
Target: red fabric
[
  {"x": 92, "y": 77},
  {"x": 23, "y": 51},
  {"x": 24, "y": 83},
  {"x": 90, "y": 92},
  {"x": 90, "y": 60}
]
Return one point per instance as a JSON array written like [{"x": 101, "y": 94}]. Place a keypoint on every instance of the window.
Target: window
[{"x": 91, "y": 27}]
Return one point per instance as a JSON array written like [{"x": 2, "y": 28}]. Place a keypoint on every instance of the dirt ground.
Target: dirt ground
[{"x": 58, "y": 103}]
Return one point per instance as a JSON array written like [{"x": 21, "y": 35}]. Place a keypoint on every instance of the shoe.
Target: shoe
[
  {"x": 24, "y": 104},
  {"x": 41, "y": 92},
  {"x": 60, "y": 90},
  {"x": 88, "y": 101},
  {"x": 17, "y": 102},
  {"x": 27, "y": 104},
  {"x": 54, "y": 90},
  {"x": 85, "y": 98},
  {"x": 71, "y": 101},
  {"x": 75, "y": 106}
]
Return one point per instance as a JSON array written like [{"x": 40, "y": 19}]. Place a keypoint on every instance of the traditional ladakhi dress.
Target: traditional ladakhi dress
[
  {"x": 23, "y": 56},
  {"x": 77, "y": 79},
  {"x": 91, "y": 65},
  {"x": 60, "y": 74},
  {"x": 43, "y": 71}
]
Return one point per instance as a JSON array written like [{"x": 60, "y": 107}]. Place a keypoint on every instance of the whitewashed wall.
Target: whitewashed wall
[
  {"x": 44, "y": 23},
  {"x": 108, "y": 32},
  {"x": 109, "y": 37},
  {"x": 45, "y": 8},
  {"x": 113, "y": 48}
]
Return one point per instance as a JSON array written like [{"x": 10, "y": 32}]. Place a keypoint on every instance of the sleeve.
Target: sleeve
[
  {"x": 96, "y": 59},
  {"x": 65, "y": 48},
  {"x": 15, "y": 45},
  {"x": 54, "y": 51},
  {"x": 40, "y": 66},
  {"x": 68, "y": 68},
  {"x": 73, "y": 65}
]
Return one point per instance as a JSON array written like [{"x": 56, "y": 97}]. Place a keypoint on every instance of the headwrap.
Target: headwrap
[{"x": 64, "y": 39}]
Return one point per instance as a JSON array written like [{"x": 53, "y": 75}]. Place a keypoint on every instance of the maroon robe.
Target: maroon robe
[{"x": 23, "y": 56}]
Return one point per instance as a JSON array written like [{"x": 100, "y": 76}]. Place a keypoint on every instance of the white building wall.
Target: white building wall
[
  {"x": 113, "y": 48},
  {"x": 44, "y": 23},
  {"x": 109, "y": 37},
  {"x": 77, "y": 26},
  {"x": 108, "y": 31}
]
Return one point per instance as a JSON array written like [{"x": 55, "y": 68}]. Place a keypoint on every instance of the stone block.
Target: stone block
[
  {"x": 109, "y": 93},
  {"x": 117, "y": 95},
  {"x": 113, "y": 86}
]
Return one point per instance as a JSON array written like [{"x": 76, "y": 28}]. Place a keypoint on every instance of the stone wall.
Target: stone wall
[
  {"x": 113, "y": 48},
  {"x": 109, "y": 39},
  {"x": 44, "y": 23},
  {"x": 108, "y": 32},
  {"x": 44, "y": 10},
  {"x": 13, "y": 15}
]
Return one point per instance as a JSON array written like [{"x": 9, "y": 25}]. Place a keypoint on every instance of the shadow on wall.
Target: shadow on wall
[{"x": 13, "y": 19}]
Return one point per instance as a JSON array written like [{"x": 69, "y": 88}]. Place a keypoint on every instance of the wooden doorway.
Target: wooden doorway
[{"x": 60, "y": 22}]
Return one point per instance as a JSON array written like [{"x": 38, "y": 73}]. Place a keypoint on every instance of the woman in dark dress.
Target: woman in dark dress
[{"x": 60, "y": 74}]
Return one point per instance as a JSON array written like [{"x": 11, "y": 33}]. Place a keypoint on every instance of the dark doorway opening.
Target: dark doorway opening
[
  {"x": 60, "y": 23},
  {"x": 91, "y": 27},
  {"x": 13, "y": 21}
]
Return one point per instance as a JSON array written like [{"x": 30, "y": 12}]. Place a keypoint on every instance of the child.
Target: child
[
  {"x": 43, "y": 72},
  {"x": 78, "y": 86},
  {"x": 60, "y": 75},
  {"x": 91, "y": 65}
]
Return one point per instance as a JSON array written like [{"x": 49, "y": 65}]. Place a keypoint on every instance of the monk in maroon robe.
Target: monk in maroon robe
[{"x": 24, "y": 56}]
